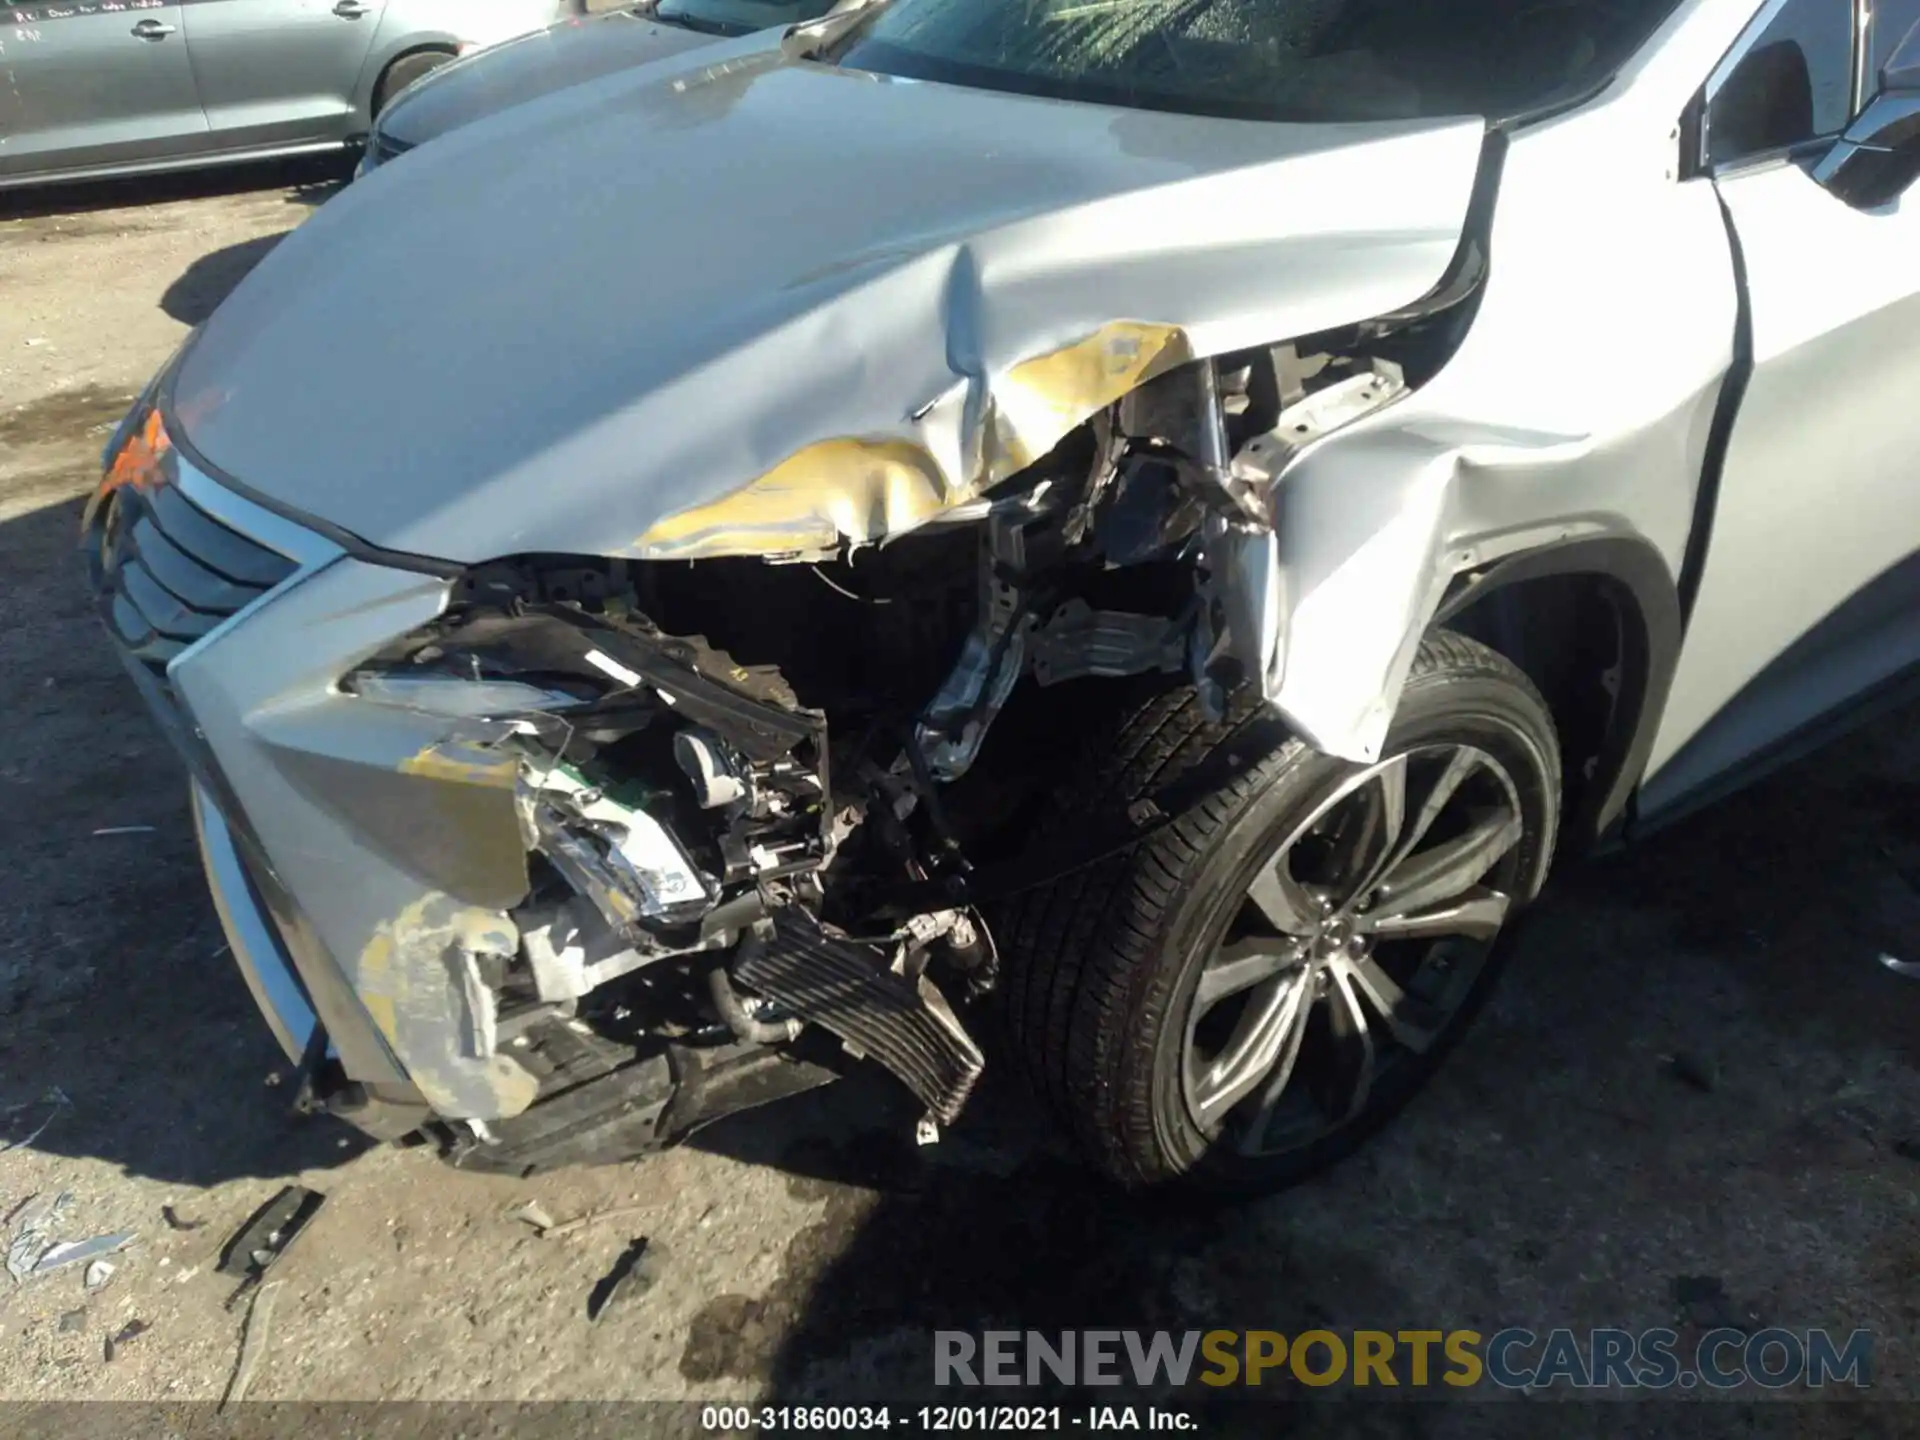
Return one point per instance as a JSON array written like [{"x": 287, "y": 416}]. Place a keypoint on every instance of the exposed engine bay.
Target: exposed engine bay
[{"x": 768, "y": 804}]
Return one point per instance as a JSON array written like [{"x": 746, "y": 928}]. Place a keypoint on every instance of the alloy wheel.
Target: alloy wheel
[{"x": 1355, "y": 945}]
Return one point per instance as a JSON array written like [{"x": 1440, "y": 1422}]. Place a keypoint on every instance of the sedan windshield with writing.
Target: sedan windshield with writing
[{"x": 1305, "y": 60}]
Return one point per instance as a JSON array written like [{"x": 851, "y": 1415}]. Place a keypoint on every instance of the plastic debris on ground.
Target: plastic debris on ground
[
  {"x": 33, "y": 1229},
  {"x": 75, "y": 1252},
  {"x": 175, "y": 1221},
  {"x": 548, "y": 1230},
  {"x": 267, "y": 1235},
  {"x": 632, "y": 1276},
  {"x": 132, "y": 1330},
  {"x": 532, "y": 1213},
  {"x": 99, "y": 1273},
  {"x": 253, "y": 1343},
  {"x": 1905, "y": 969}
]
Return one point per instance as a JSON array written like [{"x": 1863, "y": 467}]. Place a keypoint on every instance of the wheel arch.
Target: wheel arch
[
  {"x": 1617, "y": 598},
  {"x": 381, "y": 63}
]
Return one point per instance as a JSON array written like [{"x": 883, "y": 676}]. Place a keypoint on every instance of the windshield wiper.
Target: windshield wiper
[{"x": 806, "y": 39}]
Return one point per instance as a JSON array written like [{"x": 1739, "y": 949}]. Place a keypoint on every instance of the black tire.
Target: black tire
[
  {"x": 403, "y": 72},
  {"x": 1103, "y": 965}
]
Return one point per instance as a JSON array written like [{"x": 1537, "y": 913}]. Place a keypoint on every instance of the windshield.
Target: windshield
[
  {"x": 1306, "y": 60},
  {"x": 739, "y": 17}
]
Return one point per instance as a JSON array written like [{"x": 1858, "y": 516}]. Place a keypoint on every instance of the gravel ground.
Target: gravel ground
[{"x": 1561, "y": 1172}]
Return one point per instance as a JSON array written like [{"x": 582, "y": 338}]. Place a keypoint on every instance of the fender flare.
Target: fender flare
[{"x": 1651, "y": 631}]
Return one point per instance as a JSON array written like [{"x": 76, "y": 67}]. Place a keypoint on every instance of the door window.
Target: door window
[{"x": 1793, "y": 84}]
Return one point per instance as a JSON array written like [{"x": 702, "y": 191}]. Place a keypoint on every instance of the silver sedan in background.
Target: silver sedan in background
[
  {"x": 565, "y": 55},
  {"x": 104, "y": 88}
]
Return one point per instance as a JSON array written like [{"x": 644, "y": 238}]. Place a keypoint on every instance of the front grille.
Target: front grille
[{"x": 167, "y": 573}]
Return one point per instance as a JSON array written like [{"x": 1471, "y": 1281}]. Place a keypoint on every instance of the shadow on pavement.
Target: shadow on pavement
[
  {"x": 309, "y": 179},
  {"x": 115, "y": 986},
  {"x": 201, "y": 287}
]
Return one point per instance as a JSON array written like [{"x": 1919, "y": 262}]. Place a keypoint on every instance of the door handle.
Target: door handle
[
  {"x": 152, "y": 30},
  {"x": 349, "y": 9}
]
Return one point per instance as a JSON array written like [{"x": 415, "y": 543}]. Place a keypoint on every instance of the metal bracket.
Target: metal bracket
[
  {"x": 957, "y": 719},
  {"x": 1261, "y": 460},
  {"x": 1079, "y": 641}
]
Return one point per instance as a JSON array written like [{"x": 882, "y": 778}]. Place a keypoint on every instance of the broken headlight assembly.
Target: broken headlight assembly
[
  {"x": 620, "y": 744},
  {"x": 679, "y": 818},
  {"x": 459, "y": 692}
]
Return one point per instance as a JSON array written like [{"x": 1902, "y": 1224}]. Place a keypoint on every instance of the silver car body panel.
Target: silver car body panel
[
  {"x": 527, "y": 67},
  {"x": 400, "y": 851},
  {"x": 102, "y": 90},
  {"x": 281, "y": 71},
  {"x": 251, "y": 940},
  {"x": 1820, "y": 483},
  {"x": 1525, "y": 439},
  {"x": 962, "y": 251}
]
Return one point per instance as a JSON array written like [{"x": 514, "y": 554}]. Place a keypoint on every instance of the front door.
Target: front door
[
  {"x": 1809, "y": 599},
  {"x": 85, "y": 88},
  {"x": 280, "y": 72}
]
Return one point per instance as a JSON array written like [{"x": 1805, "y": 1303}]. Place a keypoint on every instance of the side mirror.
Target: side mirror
[{"x": 1879, "y": 156}]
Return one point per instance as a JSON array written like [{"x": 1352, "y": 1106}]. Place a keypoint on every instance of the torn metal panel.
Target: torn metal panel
[
  {"x": 1374, "y": 525},
  {"x": 418, "y": 977},
  {"x": 835, "y": 352},
  {"x": 995, "y": 654},
  {"x": 1523, "y": 439},
  {"x": 808, "y": 504}
]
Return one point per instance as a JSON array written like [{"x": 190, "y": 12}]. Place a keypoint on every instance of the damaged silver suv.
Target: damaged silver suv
[{"x": 1158, "y": 518}]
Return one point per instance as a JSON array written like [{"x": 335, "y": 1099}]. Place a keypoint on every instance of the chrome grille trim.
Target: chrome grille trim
[{"x": 174, "y": 566}]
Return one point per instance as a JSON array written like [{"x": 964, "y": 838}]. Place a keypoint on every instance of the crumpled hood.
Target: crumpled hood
[
  {"x": 528, "y": 67},
  {"x": 843, "y": 301}
]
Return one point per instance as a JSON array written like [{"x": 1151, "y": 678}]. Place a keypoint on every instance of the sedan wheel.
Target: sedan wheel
[
  {"x": 1357, "y": 941},
  {"x": 1242, "y": 998}
]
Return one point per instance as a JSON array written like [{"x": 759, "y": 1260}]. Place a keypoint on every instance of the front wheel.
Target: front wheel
[{"x": 1254, "y": 989}]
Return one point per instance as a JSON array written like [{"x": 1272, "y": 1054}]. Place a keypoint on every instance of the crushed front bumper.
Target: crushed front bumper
[
  {"x": 372, "y": 862},
  {"x": 344, "y": 852}
]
